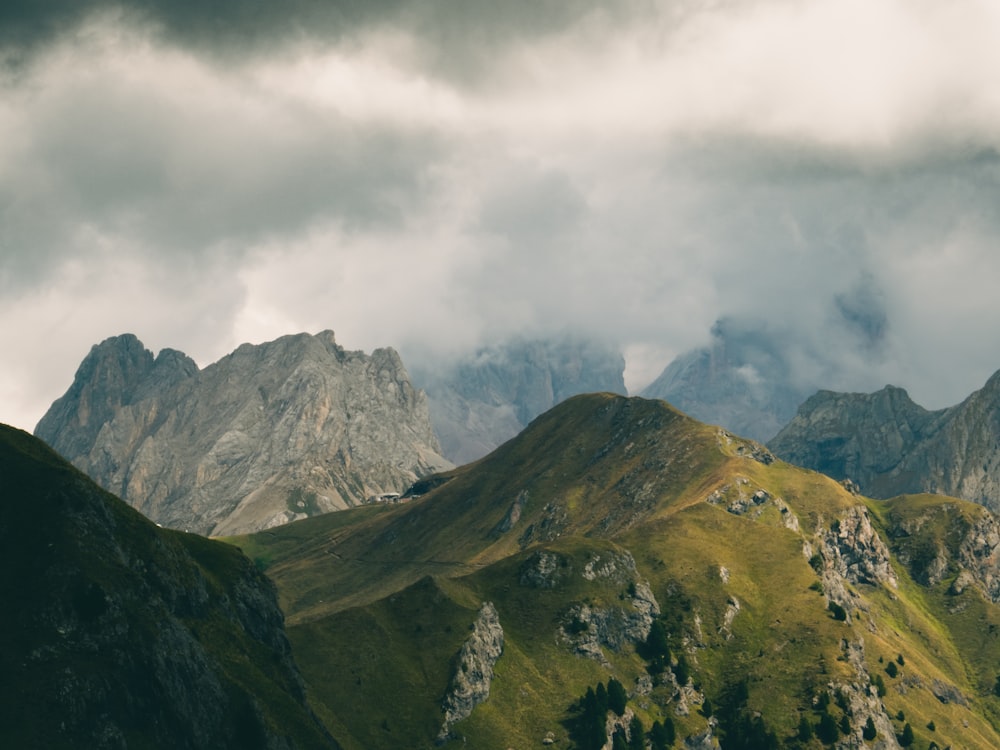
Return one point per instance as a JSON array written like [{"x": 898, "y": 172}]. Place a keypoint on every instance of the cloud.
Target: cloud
[
  {"x": 159, "y": 153},
  {"x": 435, "y": 176}
]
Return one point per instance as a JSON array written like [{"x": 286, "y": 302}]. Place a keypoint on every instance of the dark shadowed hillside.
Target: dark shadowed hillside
[{"x": 118, "y": 634}]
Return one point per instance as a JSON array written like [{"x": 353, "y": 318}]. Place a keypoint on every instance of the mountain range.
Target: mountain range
[
  {"x": 889, "y": 445},
  {"x": 737, "y": 600},
  {"x": 616, "y": 573},
  {"x": 299, "y": 426}
]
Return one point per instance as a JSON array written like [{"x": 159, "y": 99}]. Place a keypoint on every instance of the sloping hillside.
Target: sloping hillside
[
  {"x": 738, "y": 600},
  {"x": 119, "y": 634}
]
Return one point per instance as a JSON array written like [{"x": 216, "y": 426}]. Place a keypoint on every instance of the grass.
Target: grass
[{"x": 597, "y": 476}]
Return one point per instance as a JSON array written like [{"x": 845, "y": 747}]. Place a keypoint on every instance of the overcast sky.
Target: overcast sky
[{"x": 434, "y": 175}]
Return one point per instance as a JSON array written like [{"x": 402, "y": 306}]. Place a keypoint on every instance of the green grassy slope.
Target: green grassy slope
[
  {"x": 584, "y": 469},
  {"x": 380, "y": 601}
]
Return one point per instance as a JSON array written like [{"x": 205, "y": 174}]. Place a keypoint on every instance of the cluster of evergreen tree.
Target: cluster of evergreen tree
[
  {"x": 739, "y": 727},
  {"x": 587, "y": 729},
  {"x": 827, "y": 728},
  {"x": 588, "y": 726}
]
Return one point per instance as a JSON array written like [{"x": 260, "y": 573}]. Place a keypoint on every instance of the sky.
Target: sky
[{"x": 436, "y": 176}]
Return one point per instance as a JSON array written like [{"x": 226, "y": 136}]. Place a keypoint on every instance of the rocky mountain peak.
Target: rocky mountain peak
[
  {"x": 891, "y": 445},
  {"x": 269, "y": 433},
  {"x": 740, "y": 380},
  {"x": 108, "y": 378}
]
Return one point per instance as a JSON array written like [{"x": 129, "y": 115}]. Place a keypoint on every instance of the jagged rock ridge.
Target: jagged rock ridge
[
  {"x": 891, "y": 446},
  {"x": 483, "y": 400},
  {"x": 119, "y": 634},
  {"x": 268, "y": 434}
]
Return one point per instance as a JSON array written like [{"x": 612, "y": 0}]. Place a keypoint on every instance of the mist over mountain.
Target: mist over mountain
[
  {"x": 741, "y": 380},
  {"x": 890, "y": 445},
  {"x": 269, "y": 433},
  {"x": 119, "y": 634},
  {"x": 752, "y": 375},
  {"x": 479, "y": 400}
]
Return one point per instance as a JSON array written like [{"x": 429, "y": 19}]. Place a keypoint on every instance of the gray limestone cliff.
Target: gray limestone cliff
[
  {"x": 268, "y": 434},
  {"x": 890, "y": 446},
  {"x": 588, "y": 627},
  {"x": 484, "y": 399},
  {"x": 856, "y": 552}
]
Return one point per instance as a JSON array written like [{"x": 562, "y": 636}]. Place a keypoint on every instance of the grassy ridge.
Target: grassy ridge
[{"x": 596, "y": 477}]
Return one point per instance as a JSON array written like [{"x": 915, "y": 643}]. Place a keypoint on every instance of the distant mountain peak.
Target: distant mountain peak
[
  {"x": 740, "y": 380},
  {"x": 890, "y": 445},
  {"x": 269, "y": 433},
  {"x": 486, "y": 397}
]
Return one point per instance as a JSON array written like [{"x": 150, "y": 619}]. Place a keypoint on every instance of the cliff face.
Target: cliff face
[
  {"x": 892, "y": 446},
  {"x": 485, "y": 399},
  {"x": 121, "y": 634},
  {"x": 267, "y": 434}
]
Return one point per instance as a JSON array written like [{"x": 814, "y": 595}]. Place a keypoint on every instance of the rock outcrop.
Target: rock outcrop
[
  {"x": 864, "y": 703},
  {"x": 967, "y": 551},
  {"x": 592, "y": 628},
  {"x": 121, "y": 634},
  {"x": 891, "y": 446},
  {"x": 856, "y": 552},
  {"x": 266, "y": 435},
  {"x": 483, "y": 400},
  {"x": 473, "y": 676}
]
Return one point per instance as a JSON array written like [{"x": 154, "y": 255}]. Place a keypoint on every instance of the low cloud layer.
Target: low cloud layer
[{"x": 414, "y": 176}]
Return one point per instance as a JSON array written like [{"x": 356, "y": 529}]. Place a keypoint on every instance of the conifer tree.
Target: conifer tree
[
  {"x": 805, "y": 729},
  {"x": 602, "y": 698},
  {"x": 869, "y": 732},
  {"x": 617, "y": 697},
  {"x": 906, "y": 738},
  {"x": 636, "y": 734},
  {"x": 827, "y": 729},
  {"x": 662, "y": 736}
]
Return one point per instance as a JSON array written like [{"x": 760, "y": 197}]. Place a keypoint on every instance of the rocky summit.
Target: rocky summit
[
  {"x": 889, "y": 445},
  {"x": 268, "y": 434}
]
